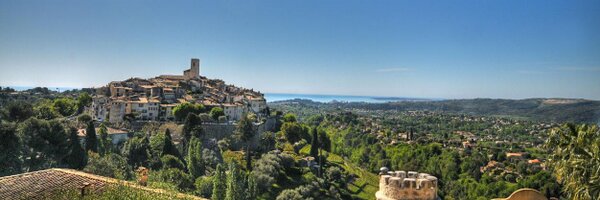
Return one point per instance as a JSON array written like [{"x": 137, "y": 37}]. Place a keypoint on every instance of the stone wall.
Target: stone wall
[
  {"x": 401, "y": 185},
  {"x": 218, "y": 131}
]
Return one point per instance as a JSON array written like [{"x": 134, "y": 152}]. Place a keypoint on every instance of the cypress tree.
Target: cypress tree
[
  {"x": 192, "y": 121},
  {"x": 252, "y": 189},
  {"x": 235, "y": 183},
  {"x": 169, "y": 147},
  {"x": 245, "y": 130},
  {"x": 314, "y": 145},
  {"x": 91, "y": 142},
  {"x": 105, "y": 142},
  {"x": 219, "y": 184},
  {"x": 76, "y": 157},
  {"x": 194, "y": 158}
]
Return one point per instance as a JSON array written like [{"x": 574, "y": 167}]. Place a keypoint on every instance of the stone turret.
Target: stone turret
[{"x": 402, "y": 185}]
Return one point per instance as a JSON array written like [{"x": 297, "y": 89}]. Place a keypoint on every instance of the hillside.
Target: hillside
[{"x": 555, "y": 110}]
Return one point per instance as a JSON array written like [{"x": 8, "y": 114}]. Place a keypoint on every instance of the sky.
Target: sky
[{"x": 435, "y": 49}]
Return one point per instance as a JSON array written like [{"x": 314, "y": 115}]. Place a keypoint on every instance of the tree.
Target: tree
[
  {"x": 324, "y": 141},
  {"x": 9, "y": 150},
  {"x": 44, "y": 110},
  {"x": 84, "y": 119},
  {"x": 169, "y": 147},
  {"x": 162, "y": 144},
  {"x": 266, "y": 170},
  {"x": 235, "y": 183},
  {"x": 252, "y": 188},
  {"x": 77, "y": 158},
  {"x": 136, "y": 150},
  {"x": 575, "y": 159},
  {"x": 194, "y": 159},
  {"x": 18, "y": 111},
  {"x": 289, "y": 194},
  {"x": 314, "y": 144},
  {"x": 204, "y": 186},
  {"x": 170, "y": 161},
  {"x": 216, "y": 112},
  {"x": 182, "y": 111},
  {"x": 177, "y": 177},
  {"x": 65, "y": 106},
  {"x": 83, "y": 100},
  {"x": 105, "y": 142},
  {"x": 289, "y": 117},
  {"x": 219, "y": 184},
  {"x": 91, "y": 140},
  {"x": 191, "y": 126},
  {"x": 44, "y": 143},
  {"x": 245, "y": 130},
  {"x": 293, "y": 131},
  {"x": 111, "y": 165}
]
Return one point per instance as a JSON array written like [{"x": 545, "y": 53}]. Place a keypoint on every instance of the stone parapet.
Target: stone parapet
[{"x": 402, "y": 185}]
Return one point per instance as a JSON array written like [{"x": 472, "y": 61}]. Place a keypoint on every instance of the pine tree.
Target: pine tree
[
  {"x": 76, "y": 158},
  {"x": 219, "y": 184},
  {"x": 314, "y": 145},
  {"x": 91, "y": 143},
  {"x": 194, "y": 158},
  {"x": 235, "y": 183}
]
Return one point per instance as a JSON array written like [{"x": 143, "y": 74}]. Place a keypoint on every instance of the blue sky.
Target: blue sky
[{"x": 443, "y": 49}]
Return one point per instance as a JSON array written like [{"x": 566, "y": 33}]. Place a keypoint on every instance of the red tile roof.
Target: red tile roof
[{"x": 41, "y": 184}]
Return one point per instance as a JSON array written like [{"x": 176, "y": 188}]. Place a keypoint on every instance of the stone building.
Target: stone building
[
  {"x": 194, "y": 71},
  {"x": 402, "y": 185}
]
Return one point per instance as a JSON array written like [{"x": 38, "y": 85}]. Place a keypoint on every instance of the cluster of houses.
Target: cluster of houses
[{"x": 154, "y": 99}]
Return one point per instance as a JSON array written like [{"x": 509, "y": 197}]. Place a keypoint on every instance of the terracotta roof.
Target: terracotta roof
[
  {"x": 41, "y": 184},
  {"x": 534, "y": 161}
]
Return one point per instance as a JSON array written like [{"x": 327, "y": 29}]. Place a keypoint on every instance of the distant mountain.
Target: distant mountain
[{"x": 551, "y": 109}]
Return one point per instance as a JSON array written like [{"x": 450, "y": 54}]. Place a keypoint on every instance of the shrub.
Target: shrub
[{"x": 204, "y": 186}]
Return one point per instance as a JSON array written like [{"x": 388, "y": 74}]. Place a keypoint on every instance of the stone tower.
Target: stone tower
[
  {"x": 194, "y": 71},
  {"x": 400, "y": 185}
]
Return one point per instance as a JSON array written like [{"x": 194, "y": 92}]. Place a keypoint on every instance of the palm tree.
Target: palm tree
[{"x": 575, "y": 160}]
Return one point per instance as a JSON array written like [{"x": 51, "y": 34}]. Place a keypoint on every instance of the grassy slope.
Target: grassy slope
[{"x": 366, "y": 183}]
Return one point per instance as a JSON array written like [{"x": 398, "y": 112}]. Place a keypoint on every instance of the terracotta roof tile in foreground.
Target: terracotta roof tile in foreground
[{"x": 41, "y": 184}]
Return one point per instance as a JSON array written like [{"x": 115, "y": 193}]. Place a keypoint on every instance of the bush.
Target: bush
[
  {"x": 111, "y": 165},
  {"x": 181, "y": 111},
  {"x": 216, "y": 112},
  {"x": 289, "y": 194},
  {"x": 170, "y": 161},
  {"x": 204, "y": 186},
  {"x": 177, "y": 177}
]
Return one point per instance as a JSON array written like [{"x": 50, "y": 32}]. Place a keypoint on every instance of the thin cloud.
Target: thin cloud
[
  {"x": 397, "y": 69},
  {"x": 579, "y": 69}
]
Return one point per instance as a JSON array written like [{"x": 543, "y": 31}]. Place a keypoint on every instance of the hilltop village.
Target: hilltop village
[{"x": 154, "y": 99}]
